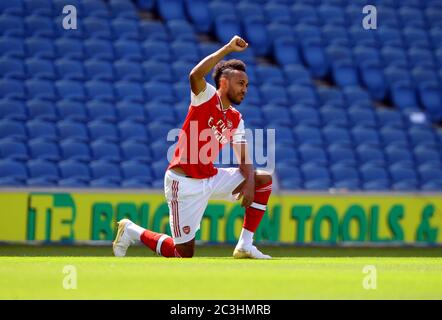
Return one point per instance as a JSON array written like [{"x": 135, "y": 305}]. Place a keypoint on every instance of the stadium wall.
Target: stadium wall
[{"x": 302, "y": 218}]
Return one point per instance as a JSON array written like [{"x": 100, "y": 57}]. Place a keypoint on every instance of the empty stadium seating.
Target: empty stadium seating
[{"x": 353, "y": 109}]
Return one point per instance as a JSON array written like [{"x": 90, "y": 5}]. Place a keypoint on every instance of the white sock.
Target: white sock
[
  {"x": 245, "y": 239},
  {"x": 134, "y": 231}
]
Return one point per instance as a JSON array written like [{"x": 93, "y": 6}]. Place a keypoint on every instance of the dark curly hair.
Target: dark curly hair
[{"x": 225, "y": 67}]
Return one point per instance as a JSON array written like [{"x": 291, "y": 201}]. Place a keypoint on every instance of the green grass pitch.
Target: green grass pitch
[{"x": 34, "y": 272}]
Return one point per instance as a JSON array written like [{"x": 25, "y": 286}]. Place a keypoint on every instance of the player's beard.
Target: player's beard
[{"x": 234, "y": 98}]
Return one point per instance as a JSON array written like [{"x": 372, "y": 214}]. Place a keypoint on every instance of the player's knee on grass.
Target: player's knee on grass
[{"x": 185, "y": 250}]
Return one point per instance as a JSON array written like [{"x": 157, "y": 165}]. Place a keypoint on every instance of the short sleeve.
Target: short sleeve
[
  {"x": 239, "y": 136},
  {"x": 203, "y": 96}
]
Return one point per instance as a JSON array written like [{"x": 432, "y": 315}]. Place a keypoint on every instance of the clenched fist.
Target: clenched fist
[{"x": 238, "y": 44}]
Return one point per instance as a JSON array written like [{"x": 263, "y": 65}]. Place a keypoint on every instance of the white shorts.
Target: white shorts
[{"x": 188, "y": 198}]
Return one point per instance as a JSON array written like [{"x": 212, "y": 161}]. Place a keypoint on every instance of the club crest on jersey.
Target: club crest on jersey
[
  {"x": 229, "y": 124},
  {"x": 186, "y": 229}
]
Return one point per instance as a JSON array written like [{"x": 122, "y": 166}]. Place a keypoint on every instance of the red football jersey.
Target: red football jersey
[{"x": 206, "y": 129}]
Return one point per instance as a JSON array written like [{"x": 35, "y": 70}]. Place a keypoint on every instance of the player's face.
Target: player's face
[{"x": 238, "y": 84}]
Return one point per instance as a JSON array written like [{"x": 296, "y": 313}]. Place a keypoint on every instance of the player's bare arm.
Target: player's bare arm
[
  {"x": 196, "y": 77},
  {"x": 247, "y": 189}
]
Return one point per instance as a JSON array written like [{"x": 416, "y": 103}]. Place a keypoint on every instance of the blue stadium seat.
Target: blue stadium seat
[
  {"x": 420, "y": 57},
  {"x": 181, "y": 30},
  {"x": 390, "y": 36},
  {"x": 72, "y": 172},
  {"x": 99, "y": 90},
  {"x": 133, "y": 150},
  {"x": 185, "y": 51},
  {"x": 336, "y": 135},
  {"x": 314, "y": 56},
  {"x": 274, "y": 94},
  {"x": 182, "y": 91},
  {"x": 278, "y": 12},
  {"x": 41, "y": 129},
  {"x": 11, "y": 47},
  {"x": 159, "y": 91},
  {"x": 12, "y": 129},
  {"x": 69, "y": 48},
  {"x": 43, "y": 149},
  {"x": 13, "y": 150},
  {"x": 374, "y": 178},
  {"x": 69, "y": 69},
  {"x": 72, "y": 110},
  {"x": 103, "y": 130},
  {"x": 128, "y": 49},
  {"x": 302, "y": 95},
  {"x": 286, "y": 154},
  {"x": 98, "y": 70},
  {"x": 360, "y": 36},
  {"x": 344, "y": 73},
  {"x": 337, "y": 53},
  {"x": 421, "y": 136},
  {"x": 403, "y": 96},
  {"x": 431, "y": 99},
  {"x": 105, "y": 150},
  {"x": 198, "y": 12},
  {"x": 128, "y": 70},
  {"x": 289, "y": 177},
  {"x": 157, "y": 130},
  {"x": 122, "y": 9},
  {"x": 308, "y": 135},
  {"x": 161, "y": 112},
  {"x": 70, "y": 89},
  {"x": 123, "y": 28},
  {"x": 128, "y": 110},
  {"x": 256, "y": 34},
  {"x": 180, "y": 71},
  {"x": 99, "y": 49},
  {"x": 363, "y": 53},
  {"x": 246, "y": 8},
  {"x": 286, "y": 51},
  {"x": 334, "y": 116},
  {"x": 357, "y": 95},
  {"x": 12, "y": 173},
  {"x": 315, "y": 177},
  {"x": 331, "y": 14},
  {"x": 159, "y": 150},
  {"x": 305, "y": 115},
  {"x": 372, "y": 77},
  {"x": 101, "y": 110},
  {"x": 72, "y": 130},
  {"x": 42, "y": 110},
  {"x": 38, "y": 7},
  {"x": 365, "y": 117},
  {"x": 42, "y": 173},
  {"x": 153, "y": 30},
  {"x": 397, "y": 154},
  {"x": 280, "y": 30},
  {"x": 345, "y": 176},
  {"x": 95, "y": 27},
  {"x": 132, "y": 130},
  {"x": 270, "y": 74},
  {"x": 335, "y": 34},
  {"x": 297, "y": 74},
  {"x": 11, "y": 68},
  {"x": 370, "y": 154},
  {"x": 400, "y": 173},
  {"x": 130, "y": 91},
  {"x": 365, "y": 135},
  {"x": 253, "y": 95},
  {"x": 159, "y": 168},
  {"x": 40, "y": 47},
  {"x": 136, "y": 174},
  {"x": 430, "y": 174},
  {"x": 156, "y": 50},
  {"x": 12, "y": 109},
  {"x": 304, "y": 13},
  {"x": 331, "y": 96},
  {"x": 171, "y": 9},
  {"x": 40, "y": 89},
  {"x": 72, "y": 149},
  {"x": 276, "y": 115},
  {"x": 312, "y": 155},
  {"x": 39, "y": 26},
  {"x": 424, "y": 155},
  {"x": 219, "y": 8},
  {"x": 341, "y": 154},
  {"x": 416, "y": 37},
  {"x": 387, "y": 117},
  {"x": 105, "y": 173},
  {"x": 40, "y": 69},
  {"x": 12, "y": 89},
  {"x": 394, "y": 56}
]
